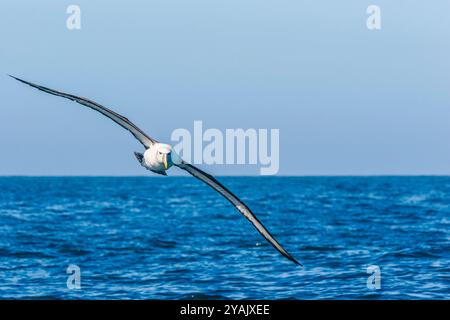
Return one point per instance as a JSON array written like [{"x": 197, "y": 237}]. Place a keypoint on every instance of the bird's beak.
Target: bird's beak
[{"x": 166, "y": 161}]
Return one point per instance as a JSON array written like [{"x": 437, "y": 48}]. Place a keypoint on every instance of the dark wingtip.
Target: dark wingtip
[
  {"x": 296, "y": 262},
  {"x": 18, "y": 79}
]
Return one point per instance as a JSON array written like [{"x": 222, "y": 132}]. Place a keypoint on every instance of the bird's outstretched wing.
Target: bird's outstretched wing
[
  {"x": 216, "y": 185},
  {"x": 117, "y": 118}
]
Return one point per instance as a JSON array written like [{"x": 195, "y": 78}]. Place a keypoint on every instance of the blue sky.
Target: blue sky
[{"x": 346, "y": 100}]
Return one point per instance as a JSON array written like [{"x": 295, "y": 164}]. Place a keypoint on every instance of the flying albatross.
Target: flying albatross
[{"x": 158, "y": 157}]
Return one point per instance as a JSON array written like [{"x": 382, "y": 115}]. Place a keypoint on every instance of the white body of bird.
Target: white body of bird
[{"x": 160, "y": 157}]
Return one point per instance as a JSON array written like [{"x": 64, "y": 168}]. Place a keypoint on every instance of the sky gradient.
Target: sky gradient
[{"x": 347, "y": 100}]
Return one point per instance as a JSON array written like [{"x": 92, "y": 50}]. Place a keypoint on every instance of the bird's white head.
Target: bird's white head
[{"x": 167, "y": 156}]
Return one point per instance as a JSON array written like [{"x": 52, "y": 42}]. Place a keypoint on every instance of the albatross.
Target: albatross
[{"x": 159, "y": 157}]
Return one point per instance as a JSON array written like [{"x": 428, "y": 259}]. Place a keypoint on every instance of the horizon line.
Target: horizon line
[{"x": 223, "y": 175}]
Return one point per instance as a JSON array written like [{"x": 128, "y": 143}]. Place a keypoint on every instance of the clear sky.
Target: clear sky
[{"x": 347, "y": 100}]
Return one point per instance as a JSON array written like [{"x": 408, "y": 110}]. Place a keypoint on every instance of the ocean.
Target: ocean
[{"x": 175, "y": 238}]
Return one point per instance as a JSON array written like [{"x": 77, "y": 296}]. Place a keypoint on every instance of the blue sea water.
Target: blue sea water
[{"x": 174, "y": 238}]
